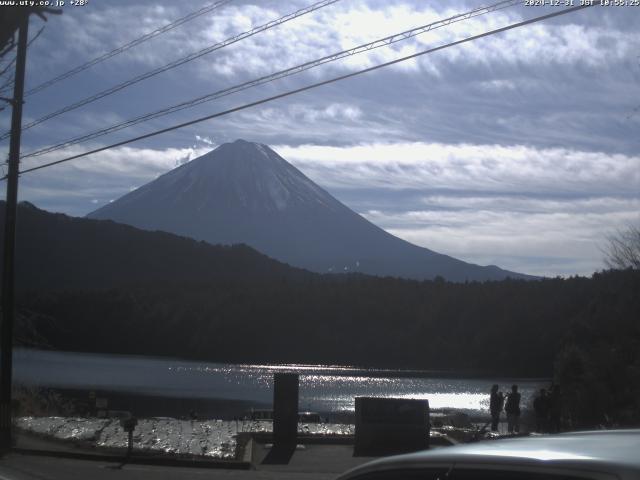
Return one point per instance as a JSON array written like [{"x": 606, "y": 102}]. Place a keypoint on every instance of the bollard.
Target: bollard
[
  {"x": 285, "y": 418},
  {"x": 285, "y": 409}
]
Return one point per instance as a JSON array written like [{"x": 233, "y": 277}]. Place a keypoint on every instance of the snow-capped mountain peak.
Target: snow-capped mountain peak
[{"x": 244, "y": 192}]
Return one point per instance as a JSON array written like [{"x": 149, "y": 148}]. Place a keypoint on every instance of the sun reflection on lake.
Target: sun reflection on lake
[{"x": 322, "y": 388}]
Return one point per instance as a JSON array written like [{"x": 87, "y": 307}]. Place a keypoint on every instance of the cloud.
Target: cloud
[
  {"x": 76, "y": 187},
  {"x": 543, "y": 212},
  {"x": 511, "y": 86},
  {"x": 206, "y": 140},
  {"x": 497, "y": 85},
  {"x": 539, "y": 211},
  {"x": 336, "y": 27},
  {"x": 88, "y": 33},
  {"x": 537, "y": 237},
  {"x": 298, "y": 112},
  {"x": 346, "y": 25},
  {"x": 468, "y": 167},
  {"x": 488, "y": 142}
]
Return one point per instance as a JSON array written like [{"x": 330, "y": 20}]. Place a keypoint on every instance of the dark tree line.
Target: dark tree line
[
  {"x": 598, "y": 363},
  {"x": 502, "y": 328},
  {"x": 98, "y": 286}
]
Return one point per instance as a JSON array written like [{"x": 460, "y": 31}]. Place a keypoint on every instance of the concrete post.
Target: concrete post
[{"x": 285, "y": 409}]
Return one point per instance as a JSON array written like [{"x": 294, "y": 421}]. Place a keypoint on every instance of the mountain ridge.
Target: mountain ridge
[
  {"x": 244, "y": 192},
  {"x": 56, "y": 251}
]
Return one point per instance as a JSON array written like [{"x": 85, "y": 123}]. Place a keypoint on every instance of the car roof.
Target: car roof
[{"x": 606, "y": 451}]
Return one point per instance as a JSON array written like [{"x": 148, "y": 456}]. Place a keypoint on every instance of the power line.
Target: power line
[
  {"x": 180, "y": 61},
  {"x": 309, "y": 87},
  {"x": 147, "y": 36},
  {"x": 9, "y": 81},
  {"x": 5, "y": 69},
  {"x": 276, "y": 76}
]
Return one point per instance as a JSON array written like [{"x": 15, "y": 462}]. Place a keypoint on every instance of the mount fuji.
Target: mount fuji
[{"x": 244, "y": 192}]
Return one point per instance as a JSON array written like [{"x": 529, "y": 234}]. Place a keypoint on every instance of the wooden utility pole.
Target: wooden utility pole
[{"x": 8, "y": 274}]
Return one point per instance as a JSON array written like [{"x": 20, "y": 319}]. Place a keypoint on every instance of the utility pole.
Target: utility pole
[{"x": 8, "y": 274}]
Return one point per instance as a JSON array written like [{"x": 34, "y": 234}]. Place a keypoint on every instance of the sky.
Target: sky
[{"x": 520, "y": 149}]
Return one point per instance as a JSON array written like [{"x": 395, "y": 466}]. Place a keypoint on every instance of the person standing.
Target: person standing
[
  {"x": 512, "y": 407},
  {"x": 496, "y": 403}
]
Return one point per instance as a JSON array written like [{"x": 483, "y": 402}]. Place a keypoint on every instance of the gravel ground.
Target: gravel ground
[{"x": 208, "y": 438}]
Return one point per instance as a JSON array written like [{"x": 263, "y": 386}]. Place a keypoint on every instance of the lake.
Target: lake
[{"x": 326, "y": 389}]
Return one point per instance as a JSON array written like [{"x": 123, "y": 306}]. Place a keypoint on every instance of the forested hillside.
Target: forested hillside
[
  {"x": 98, "y": 286},
  {"x": 57, "y": 251},
  {"x": 501, "y": 328}
]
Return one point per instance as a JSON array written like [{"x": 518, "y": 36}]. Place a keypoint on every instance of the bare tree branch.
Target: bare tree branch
[{"x": 623, "y": 249}]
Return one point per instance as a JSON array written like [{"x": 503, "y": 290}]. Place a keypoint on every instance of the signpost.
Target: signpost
[{"x": 129, "y": 425}]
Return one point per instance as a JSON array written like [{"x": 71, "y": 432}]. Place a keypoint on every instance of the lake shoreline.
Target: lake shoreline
[
  {"x": 143, "y": 405},
  {"x": 346, "y": 370},
  {"x": 152, "y": 386}
]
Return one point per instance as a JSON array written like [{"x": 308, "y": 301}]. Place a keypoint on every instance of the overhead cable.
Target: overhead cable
[
  {"x": 176, "y": 63},
  {"x": 11, "y": 62},
  {"x": 133, "y": 43},
  {"x": 275, "y": 76},
  {"x": 310, "y": 87}
]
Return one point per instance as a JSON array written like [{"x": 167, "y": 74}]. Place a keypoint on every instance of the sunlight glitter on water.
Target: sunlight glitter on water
[
  {"x": 322, "y": 388},
  {"x": 462, "y": 401}
]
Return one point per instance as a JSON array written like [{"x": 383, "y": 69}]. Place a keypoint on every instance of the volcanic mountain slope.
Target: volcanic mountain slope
[{"x": 244, "y": 192}]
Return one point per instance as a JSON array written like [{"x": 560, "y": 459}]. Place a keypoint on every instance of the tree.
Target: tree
[{"x": 623, "y": 249}]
